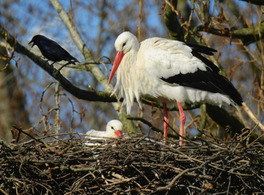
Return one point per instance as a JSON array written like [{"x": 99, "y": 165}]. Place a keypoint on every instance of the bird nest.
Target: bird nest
[{"x": 132, "y": 166}]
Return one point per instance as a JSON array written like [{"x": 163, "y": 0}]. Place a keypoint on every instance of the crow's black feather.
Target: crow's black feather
[{"x": 52, "y": 50}]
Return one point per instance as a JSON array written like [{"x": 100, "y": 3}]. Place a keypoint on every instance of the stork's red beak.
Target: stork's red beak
[
  {"x": 118, "y": 58},
  {"x": 118, "y": 133}
]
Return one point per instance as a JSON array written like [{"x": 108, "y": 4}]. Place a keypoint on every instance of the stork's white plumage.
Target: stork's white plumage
[
  {"x": 168, "y": 70},
  {"x": 113, "y": 130}
]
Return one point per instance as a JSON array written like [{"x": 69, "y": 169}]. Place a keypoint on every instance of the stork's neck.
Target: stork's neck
[
  {"x": 127, "y": 64},
  {"x": 127, "y": 79},
  {"x": 135, "y": 46}
]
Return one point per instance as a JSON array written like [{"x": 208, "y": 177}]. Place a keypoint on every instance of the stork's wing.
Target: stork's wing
[
  {"x": 201, "y": 49},
  {"x": 198, "y": 49},
  {"x": 174, "y": 63},
  {"x": 165, "y": 58},
  {"x": 206, "y": 81}
]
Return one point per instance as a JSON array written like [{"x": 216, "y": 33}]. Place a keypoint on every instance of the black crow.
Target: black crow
[{"x": 52, "y": 50}]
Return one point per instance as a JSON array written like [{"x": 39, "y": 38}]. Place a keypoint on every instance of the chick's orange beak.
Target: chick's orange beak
[
  {"x": 118, "y": 58},
  {"x": 118, "y": 133}
]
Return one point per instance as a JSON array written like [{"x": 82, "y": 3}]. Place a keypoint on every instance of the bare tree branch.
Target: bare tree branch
[
  {"x": 257, "y": 2},
  {"x": 94, "y": 69},
  {"x": 175, "y": 33},
  {"x": 171, "y": 21},
  {"x": 90, "y": 95},
  {"x": 247, "y": 35}
]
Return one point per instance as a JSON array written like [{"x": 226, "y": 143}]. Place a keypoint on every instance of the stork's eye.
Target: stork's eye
[
  {"x": 123, "y": 45},
  {"x": 112, "y": 128}
]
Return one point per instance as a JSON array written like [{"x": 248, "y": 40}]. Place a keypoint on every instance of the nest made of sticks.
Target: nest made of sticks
[{"x": 139, "y": 165}]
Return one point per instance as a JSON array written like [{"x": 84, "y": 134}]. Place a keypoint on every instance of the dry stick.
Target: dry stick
[
  {"x": 139, "y": 20},
  {"x": 252, "y": 116},
  {"x": 4, "y": 192},
  {"x": 32, "y": 137},
  {"x": 141, "y": 173},
  {"x": 229, "y": 183},
  {"x": 48, "y": 187},
  {"x": 114, "y": 183},
  {"x": 253, "y": 142},
  {"x": 169, "y": 186},
  {"x": 57, "y": 102},
  {"x": 176, "y": 170},
  {"x": 71, "y": 168},
  {"x": 73, "y": 110},
  {"x": 46, "y": 123},
  {"x": 214, "y": 165},
  {"x": 243, "y": 138},
  {"x": 43, "y": 142}
]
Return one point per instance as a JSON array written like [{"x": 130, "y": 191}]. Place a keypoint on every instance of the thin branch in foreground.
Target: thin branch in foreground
[{"x": 252, "y": 116}]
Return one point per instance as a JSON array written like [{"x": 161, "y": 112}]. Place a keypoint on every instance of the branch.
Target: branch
[
  {"x": 224, "y": 119},
  {"x": 257, "y": 2},
  {"x": 89, "y": 95},
  {"x": 170, "y": 15},
  {"x": 171, "y": 21},
  {"x": 247, "y": 35},
  {"x": 94, "y": 69},
  {"x": 252, "y": 116}
]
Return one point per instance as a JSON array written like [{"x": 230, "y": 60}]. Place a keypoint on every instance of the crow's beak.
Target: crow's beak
[{"x": 32, "y": 43}]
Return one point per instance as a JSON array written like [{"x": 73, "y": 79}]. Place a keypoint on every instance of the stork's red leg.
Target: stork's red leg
[
  {"x": 182, "y": 122},
  {"x": 166, "y": 122}
]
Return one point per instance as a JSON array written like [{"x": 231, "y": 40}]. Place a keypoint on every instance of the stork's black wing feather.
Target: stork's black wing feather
[
  {"x": 197, "y": 49},
  {"x": 206, "y": 81},
  {"x": 201, "y": 49},
  {"x": 206, "y": 61}
]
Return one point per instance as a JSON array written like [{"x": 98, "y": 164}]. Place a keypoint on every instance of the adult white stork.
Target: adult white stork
[
  {"x": 168, "y": 70},
  {"x": 113, "y": 130}
]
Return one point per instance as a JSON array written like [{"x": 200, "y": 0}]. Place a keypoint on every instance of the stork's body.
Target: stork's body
[
  {"x": 169, "y": 71},
  {"x": 113, "y": 130}
]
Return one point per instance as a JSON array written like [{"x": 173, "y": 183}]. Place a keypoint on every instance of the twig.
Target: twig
[
  {"x": 170, "y": 185},
  {"x": 4, "y": 192},
  {"x": 141, "y": 173},
  {"x": 57, "y": 103},
  {"x": 252, "y": 116},
  {"x": 139, "y": 20},
  {"x": 21, "y": 131}
]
